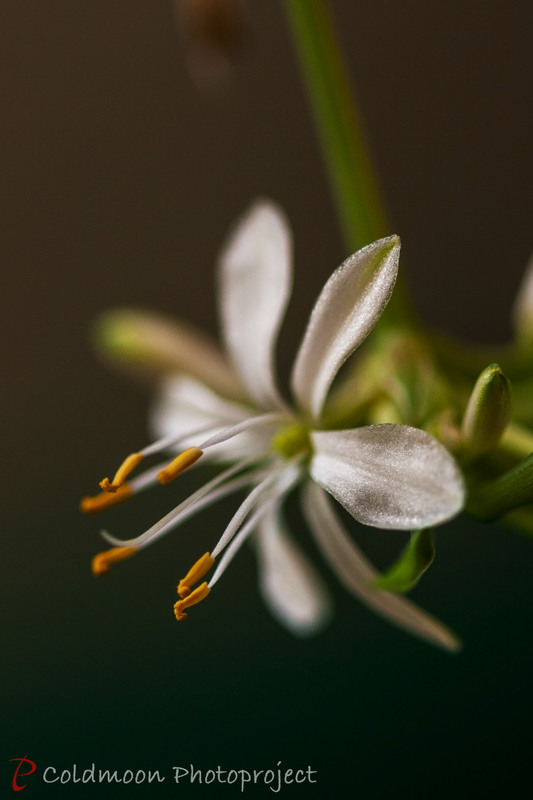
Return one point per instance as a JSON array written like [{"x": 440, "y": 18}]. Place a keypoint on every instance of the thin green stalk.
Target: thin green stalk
[
  {"x": 504, "y": 494},
  {"x": 517, "y": 441},
  {"x": 338, "y": 120}
]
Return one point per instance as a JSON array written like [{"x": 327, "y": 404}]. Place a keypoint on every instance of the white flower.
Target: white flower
[{"x": 386, "y": 476}]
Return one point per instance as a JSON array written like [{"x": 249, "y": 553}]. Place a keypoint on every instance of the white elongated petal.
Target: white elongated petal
[
  {"x": 255, "y": 285},
  {"x": 388, "y": 476},
  {"x": 349, "y": 305},
  {"x": 288, "y": 583},
  {"x": 185, "y": 406},
  {"x": 357, "y": 574},
  {"x": 522, "y": 313}
]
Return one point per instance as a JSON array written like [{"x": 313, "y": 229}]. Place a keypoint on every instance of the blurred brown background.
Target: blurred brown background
[{"x": 120, "y": 179}]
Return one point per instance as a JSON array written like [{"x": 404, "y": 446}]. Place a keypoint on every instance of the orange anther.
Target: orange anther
[
  {"x": 197, "y": 571},
  {"x": 182, "y": 462},
  {"x": 195, "y": 597},
  {"x": 91, "y": 505},
  {"x": 101, "y": 562},
  {"x": 127, "y": 466}
]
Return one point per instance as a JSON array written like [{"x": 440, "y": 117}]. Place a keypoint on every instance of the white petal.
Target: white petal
[
  {"x": 349, "y": 305},
  {"x": 184, "y": 406},
  {"x": 289, "y": 584},
  {"x": 388, "y": 476},
  {"x": 255, "y": 286},
  {"x": 357, "y": 574},
  {"x": 522, "y": 313}
]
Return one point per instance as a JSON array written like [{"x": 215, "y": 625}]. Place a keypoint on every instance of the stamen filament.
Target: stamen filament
[
  {"x": 239, "y": 540},
  {"x": 147, "y": 478},
  {"x": 102, "y": 561},
  {"x": 285, "y": 484},
  {"x": 195, "y": 597},
  {"x": 245, "y": 507},
  {"x": 182, "y": 462},
  {"x": 240, "y": 427},
  {"x": 192, "y": 504},
  {"x": 127, "y": 466},
  {"x": 186, "y": 509},
  {"x": 92, "y": 505},
  {"x": 197, "y": 571},
  {"x": 173, "y": 441}
]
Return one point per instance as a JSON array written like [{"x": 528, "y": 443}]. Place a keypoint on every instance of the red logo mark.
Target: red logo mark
[{"x": 25, "y": 760}]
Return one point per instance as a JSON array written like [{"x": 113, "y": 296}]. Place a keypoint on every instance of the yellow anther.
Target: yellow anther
[
  {"x": 127, "y": 466},
  {"x": 91, "y": 505},
  {"x": 196, "y": 572},
  {"x": 198, "y": 594},
  {"x": 182, "y": 462},
  {"x": 101, "y": 562}
]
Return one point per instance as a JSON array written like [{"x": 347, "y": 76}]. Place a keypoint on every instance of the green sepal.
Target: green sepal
[{"x": 411, "y": 565}]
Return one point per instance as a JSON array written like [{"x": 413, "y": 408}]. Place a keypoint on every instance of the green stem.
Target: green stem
[
  {"x": 504, "y": 494},
  {"x": 517, "y": 441},
  {"x": 521, "y": 518},
  {"x": 337, "y": 118}
]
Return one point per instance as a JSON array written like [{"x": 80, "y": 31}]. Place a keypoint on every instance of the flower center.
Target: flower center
[{"x": 292, "y": 440}]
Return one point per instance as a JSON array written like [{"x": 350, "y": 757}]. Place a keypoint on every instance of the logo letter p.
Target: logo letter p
[{"x": 25, "y": 760}]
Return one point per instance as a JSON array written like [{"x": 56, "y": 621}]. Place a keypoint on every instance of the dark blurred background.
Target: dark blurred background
[{"x": 120, "y": 179}]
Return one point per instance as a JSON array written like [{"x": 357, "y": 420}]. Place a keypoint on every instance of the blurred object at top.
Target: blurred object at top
[{"x": 214, "y": 33}]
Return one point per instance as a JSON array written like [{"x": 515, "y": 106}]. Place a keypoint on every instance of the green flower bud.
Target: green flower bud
[{"x": 488, "y": 411}]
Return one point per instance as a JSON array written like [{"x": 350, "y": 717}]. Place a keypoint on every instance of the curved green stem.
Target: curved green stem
[
  {"x": 336, "y": 115},
  {"x": 338, "y": 120}
]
